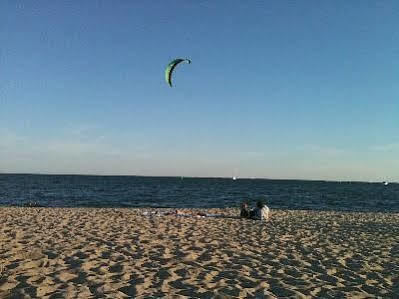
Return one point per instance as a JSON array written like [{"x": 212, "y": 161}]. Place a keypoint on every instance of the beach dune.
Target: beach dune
[{"x": 121, "y": 253}]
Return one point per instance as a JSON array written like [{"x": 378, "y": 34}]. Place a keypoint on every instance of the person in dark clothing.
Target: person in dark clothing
[{"x": 244, "y": 210}]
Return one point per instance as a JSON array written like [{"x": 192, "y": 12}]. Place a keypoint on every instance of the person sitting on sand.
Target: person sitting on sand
[
  {"x": 261, "y": 212},
  {"x": 244, "y": 213}
]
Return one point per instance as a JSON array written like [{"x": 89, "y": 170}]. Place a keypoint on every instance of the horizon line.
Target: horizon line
[{"x": 197, "y": 177}]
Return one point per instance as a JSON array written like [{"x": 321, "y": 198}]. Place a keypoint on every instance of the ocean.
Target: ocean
[{"x": 177, "y": 192}]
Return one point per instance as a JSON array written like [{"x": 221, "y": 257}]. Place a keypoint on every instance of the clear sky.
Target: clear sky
[{"x": 276, "y": 89}]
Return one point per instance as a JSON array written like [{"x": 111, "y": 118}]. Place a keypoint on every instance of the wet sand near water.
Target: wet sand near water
[{"x": 121, "y": 253}]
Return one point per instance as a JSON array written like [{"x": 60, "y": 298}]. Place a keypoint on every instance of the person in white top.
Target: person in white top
[{"x": 261, "y": 212}]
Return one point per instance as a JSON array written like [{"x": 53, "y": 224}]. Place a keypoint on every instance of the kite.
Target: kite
[{"x": 170, "y": 68}]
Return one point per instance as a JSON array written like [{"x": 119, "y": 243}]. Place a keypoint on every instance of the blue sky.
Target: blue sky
[{"x": 276, "y": 89}]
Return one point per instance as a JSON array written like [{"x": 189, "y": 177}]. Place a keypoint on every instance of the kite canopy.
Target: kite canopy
[{"x": 171, "y": 66}]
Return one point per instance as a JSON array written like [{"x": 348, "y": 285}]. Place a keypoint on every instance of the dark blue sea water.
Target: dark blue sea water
[{"x": 135, "y": 191}]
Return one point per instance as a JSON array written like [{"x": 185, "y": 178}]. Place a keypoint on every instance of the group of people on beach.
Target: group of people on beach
[{"x": 260, "y": 212}]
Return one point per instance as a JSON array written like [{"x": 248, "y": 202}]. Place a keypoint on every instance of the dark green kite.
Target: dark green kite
[{"x": 171, "y": 66}]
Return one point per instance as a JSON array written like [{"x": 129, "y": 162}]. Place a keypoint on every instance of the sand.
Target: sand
[{"x": 119, "y": 253}]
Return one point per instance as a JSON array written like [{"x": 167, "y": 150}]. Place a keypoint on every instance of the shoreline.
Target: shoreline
[
  {"x": 222, "y": 210},
  {"x": 121, "y": 253}
]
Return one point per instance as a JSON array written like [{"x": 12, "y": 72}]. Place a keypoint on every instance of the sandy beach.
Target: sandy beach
[{"x": 121, "y": 253}]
